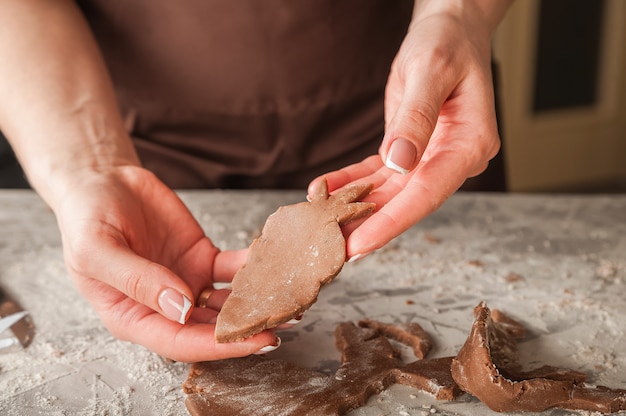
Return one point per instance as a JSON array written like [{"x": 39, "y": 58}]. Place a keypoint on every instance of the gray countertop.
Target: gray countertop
[{"x": 555, "y": 263}]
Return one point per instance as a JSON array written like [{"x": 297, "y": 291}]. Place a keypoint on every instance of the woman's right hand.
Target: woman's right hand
[{"x": 138, "y": 256}]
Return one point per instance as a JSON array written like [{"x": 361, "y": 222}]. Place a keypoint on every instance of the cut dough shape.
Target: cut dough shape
[
  {"x": 300, "y": 249},
  {"x": 258, "y": 385},
  {"x": 487, "y": 368}
]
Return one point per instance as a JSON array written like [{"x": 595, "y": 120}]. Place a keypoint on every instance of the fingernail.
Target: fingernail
[
  {"x": 358, "y": 256},
  {"x": 222, "y": 285},
  {"x": 295, "y": 320},
  {"x": 269, "y": 348},
  {"x": 402, "y": 156},
  {"x": 175, "y": 305}
]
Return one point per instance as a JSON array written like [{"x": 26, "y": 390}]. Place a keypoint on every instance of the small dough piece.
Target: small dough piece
[
  {"x": 487, "y": 368},
  {"x": 300, "y": 249},
  {"x": 410, "y": 334},
  {"x": 258, "y": 385}
]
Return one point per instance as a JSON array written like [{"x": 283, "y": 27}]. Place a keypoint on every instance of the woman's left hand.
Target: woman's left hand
[{"x": 440, "y": 124}]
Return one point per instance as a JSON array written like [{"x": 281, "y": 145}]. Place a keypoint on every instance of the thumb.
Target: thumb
[
  {"x": 142, "y": 280},
  {"x": 151, "y": 284},
  {"x": 411, "y": 125}
]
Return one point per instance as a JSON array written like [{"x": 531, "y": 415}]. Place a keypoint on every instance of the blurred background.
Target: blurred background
[
  {"x": 562, "y": 67},
  {"x": 562, "y": 92}
]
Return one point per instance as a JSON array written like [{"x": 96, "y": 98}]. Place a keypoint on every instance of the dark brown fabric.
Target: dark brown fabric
[{"x": 250, "y": 93}]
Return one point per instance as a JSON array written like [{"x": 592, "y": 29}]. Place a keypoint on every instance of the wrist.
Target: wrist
[
  {"x": 57, "y": 170},
  {"x": 482, "y": 15}
]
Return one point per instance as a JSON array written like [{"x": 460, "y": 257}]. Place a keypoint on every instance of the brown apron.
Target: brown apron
[{"x": 250, "y": 93}]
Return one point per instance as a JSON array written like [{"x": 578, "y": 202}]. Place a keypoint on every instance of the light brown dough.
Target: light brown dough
[
  {"x": 487, "y": 367},
  {"x": 257, "y": 385},
  {"x": 300, "y": 249}
]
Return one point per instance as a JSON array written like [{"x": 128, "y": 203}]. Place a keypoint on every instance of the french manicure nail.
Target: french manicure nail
[
  {"x": 295, "y": 320},
  {"x": 222, "y": 285},
  {"x": 175, "y": 305},
  {"x": 402, "y": 156},
  {"x": 358, "y": 256},
  {"x": 269, "y": 348}
]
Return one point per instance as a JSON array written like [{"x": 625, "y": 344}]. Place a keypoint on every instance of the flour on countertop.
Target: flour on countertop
[{"x": 569, "y": 252}]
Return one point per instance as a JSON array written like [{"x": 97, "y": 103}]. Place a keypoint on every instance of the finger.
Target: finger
[
  {"x": 410, "y": 127},
  {"x": 290, "y": 323},
  {"x": 212, "y": 298},
  {"x": 478, "y": 170},
  {"x": 429, "y": 187},
  {"x": 203, "y": 315},
  {"x": 210, "y": 302},
  {"x": 386, "y": 186},
  {"x": 369, "y": 171},
  {"x": 227, "y": 263},
  {"x": 140, "y": 279},
  {"x": 348, "y": 175},
  {"x": 192, "y": 342}
]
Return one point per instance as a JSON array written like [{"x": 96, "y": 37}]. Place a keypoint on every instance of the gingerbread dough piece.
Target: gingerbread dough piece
[
  {"x": 258, "y": 385},
  {"x": 301, "y": 248},
  {"x": 487, "y": 367},
  {"x": 410, "y": 334}
]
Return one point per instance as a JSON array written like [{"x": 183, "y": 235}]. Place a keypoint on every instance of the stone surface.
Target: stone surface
[{"x": 555, "y": 263}]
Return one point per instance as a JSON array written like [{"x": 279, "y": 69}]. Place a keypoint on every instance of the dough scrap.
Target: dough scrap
[
  {"x": 258, "y": 385},
  {"x": 487, "y": 367},
  {"x": 300, "y": 249}
]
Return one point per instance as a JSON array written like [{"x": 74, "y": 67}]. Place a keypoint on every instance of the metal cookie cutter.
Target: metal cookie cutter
[{"x": 14, "y": 318}]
